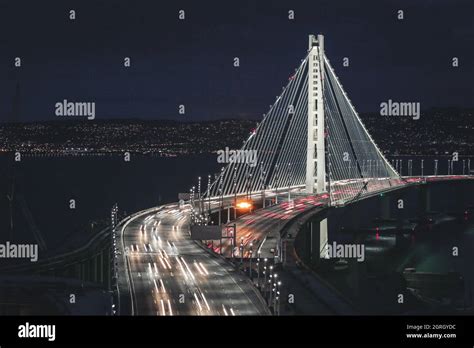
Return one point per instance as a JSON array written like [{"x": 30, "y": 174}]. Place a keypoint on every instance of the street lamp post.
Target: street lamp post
[
  {"x": 250, "y": 187},
  {"x": 191, "y": 198},
  {"x": 247, "y": 182},
  {"x": 276, "y": 183},
  {"x": 258, "y": 269},
  {"x": 241, "y": 251},
  {"x": 114, "y": 215},
  {"x": 278, "y": 298},
  {"x": 199, "y": 195},
  {"x": 250, "y": 264},
  {"x": 266, "y": 272},
  {"x": 275, "y": 276},
  {"x": 232, "y": 246},
  {"x": 233, "y": 240},
  {"x": 235, "y": 193},
  {"x": 221, "y": 197},
  {"x": 263, "y": 287},
  {"x": 289, "y": 184},
  {"x": 209, "y": 195},
  {"x": 270, "y": 282}
]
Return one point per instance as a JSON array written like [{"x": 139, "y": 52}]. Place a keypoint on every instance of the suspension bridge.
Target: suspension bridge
[
  {"x": 312, "y": 147},
  {"x": 312, "y": 144},
  {"x": 312, "y": 139}
]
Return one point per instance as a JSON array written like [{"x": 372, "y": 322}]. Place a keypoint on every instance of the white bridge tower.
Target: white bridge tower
[{"x": 316, "y": 151}]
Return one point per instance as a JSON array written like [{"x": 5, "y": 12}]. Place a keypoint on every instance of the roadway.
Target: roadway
[
  {"x": 262, "y": 227},
  {"x": 170, "y": 274}
]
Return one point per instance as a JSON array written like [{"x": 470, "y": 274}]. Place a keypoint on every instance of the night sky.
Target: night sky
[{"x": 191, "y": 62}]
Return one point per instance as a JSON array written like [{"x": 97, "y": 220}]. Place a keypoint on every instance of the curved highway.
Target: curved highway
[{"x": 170, "y": 274}]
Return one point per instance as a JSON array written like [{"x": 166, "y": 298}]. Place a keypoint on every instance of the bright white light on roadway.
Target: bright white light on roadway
[
  {"x": 163, "y": 311},
  {"x": 197, "y": 301},
  {"x": 205, "y": 301},
  {"x": 168, "y": 264},
  {"x": 162, "y": 263},
  {"x": 188, "y": 269},
  {"x": 198, "y": 268},
  {"x": 182, "y": 268},
  {"x": 162, "y": 285},
  {"x": 204, "y": 268}
]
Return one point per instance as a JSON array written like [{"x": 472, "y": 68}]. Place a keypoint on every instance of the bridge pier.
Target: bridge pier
[
  {"x": 83, "y": 272},
  {"x": 101, "y": 267},
  {"x": 86, "y": 271},
  {"x": 90, "y": 271},
  {"x": 314, "y": 239},
  {"x": 323, "y": 238},
  {"x": 385, "y": 207},
  {"x": 399, "y": 224},
  {"x": 309, "y": 242},
  {"x": 94, "y": 268},
  {"x": 424, "y": 198},
  {"x": 77, "y": 271}
]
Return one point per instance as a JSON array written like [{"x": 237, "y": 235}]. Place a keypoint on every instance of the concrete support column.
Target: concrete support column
[
  {"x": 385, "y": 207},
  {"x": 323, "y": 238}
]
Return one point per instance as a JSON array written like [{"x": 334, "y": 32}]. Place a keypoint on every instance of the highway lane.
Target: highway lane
[
  {"x": 171, "y": 275},
  {"x": 262, "y": 226}
]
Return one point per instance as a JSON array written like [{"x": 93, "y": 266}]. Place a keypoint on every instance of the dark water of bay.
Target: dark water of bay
[{"x": 44, "y": 186}]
